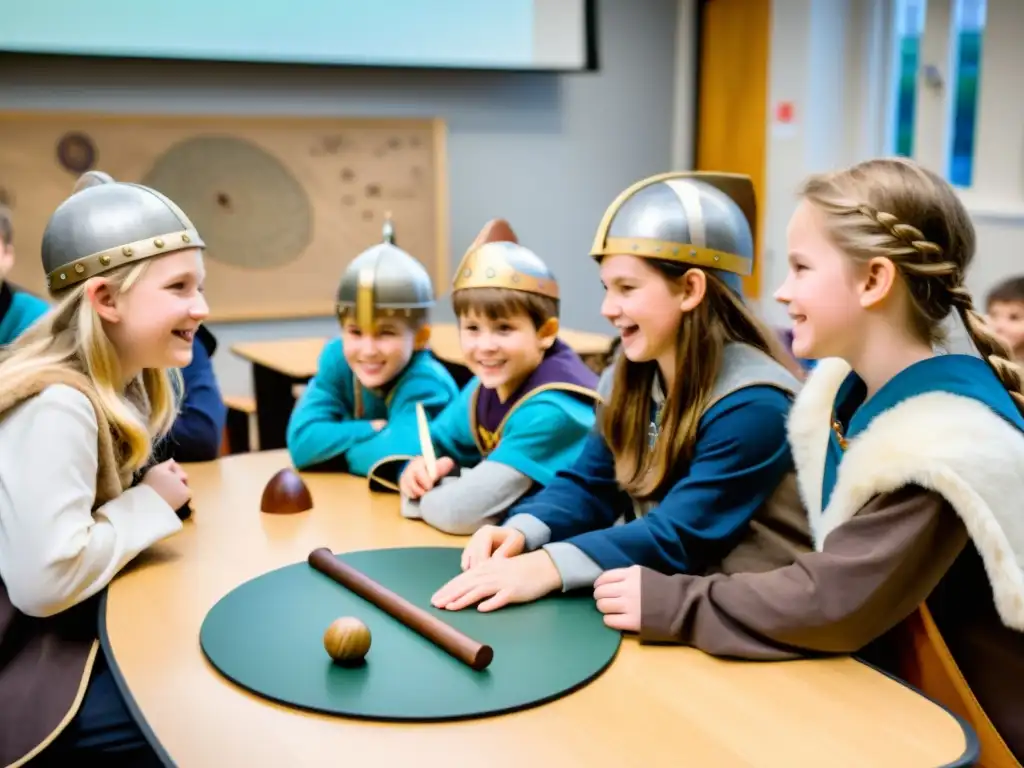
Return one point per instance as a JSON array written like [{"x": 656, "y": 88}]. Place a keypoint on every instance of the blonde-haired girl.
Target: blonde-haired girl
[
  {"x": 911, "y": 462},
  {"x": 690, "y": 453},
  {"x": 83, "y": 396}
]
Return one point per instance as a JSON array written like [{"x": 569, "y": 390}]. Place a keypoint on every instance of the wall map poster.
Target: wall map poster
[{"x": 283, "y": 203}]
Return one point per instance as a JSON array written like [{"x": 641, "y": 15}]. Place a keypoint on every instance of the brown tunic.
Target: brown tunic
[
  {"x": 45, "y": 664},
  {"x": 871, "y": 574}
]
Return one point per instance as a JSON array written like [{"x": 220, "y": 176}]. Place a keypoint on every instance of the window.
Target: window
[
  {"x": 909, "y": 27},
  {"x": 962, "y": 24},
  {"x": 967, "y": 30}
]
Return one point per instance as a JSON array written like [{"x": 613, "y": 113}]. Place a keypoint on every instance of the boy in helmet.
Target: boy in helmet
[
  {"x": 369, "y": 380},
  {"x": 526, "y": 413}
]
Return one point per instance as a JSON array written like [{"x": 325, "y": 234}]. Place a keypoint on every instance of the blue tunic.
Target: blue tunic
[
  {"x": 740, "y": 456},
  {"x": 18, "y": 310},
  {"x": 323, "y": 427},
  {"x": 199, "y": 427},
  {"x": 957, "y": 374},
  {"x": 537, "y": 431},
  {"x": 542, "y": 433}
]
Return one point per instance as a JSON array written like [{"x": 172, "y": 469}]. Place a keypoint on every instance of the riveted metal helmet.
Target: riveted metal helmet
[
  {"x": 705, "y": 219},
  {"x": 107, "y": 224},
  {"x": 497, "y": 260},
  {"x": 384, "y": 281}
]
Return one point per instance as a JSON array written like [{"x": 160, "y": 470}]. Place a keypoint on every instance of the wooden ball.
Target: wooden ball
[
  {"x": 286, "y": 494},
  {"x": 347, "y": 640}
]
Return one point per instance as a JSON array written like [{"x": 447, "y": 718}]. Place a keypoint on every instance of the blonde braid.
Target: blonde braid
[
  {"x": 940, "y": 288},
  {"x": 995, "y": 352}
]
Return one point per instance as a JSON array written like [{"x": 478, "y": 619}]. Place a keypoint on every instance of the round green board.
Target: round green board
[{"x": 267, "y": 636}]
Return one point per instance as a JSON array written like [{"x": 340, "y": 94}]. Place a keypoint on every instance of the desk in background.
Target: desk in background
[
  {"x": 654, "y": 706},
  {"x": 278, "y": 366}
]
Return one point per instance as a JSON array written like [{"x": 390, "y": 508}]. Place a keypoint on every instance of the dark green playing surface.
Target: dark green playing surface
[{"x": 267, "y": 636}]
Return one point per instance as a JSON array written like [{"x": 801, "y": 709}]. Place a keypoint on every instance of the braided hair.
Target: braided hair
[{"x": 895, "y": 209}]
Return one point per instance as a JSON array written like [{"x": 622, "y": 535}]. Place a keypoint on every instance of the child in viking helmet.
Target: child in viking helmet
[
  {"x": 370, "y": 379},
  {"x": 528, "y": 409},
  {"x": 84, "y": 394},
  {"x": 689, "y": 470}
]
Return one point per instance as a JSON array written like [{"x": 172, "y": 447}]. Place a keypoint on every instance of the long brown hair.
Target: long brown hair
[
  {"x": 720, "y": 318},
  {"x": 896, "y": 209}
]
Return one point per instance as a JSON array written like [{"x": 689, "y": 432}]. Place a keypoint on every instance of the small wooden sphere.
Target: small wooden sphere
[
  {"x": 347, "y": 640},
  {"x": 286, "y": 494}
]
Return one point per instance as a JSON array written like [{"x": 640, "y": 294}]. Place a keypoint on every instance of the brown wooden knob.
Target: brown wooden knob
[
  {"x": 286, "y": 494},
  {"x": 347, "y": 640}
]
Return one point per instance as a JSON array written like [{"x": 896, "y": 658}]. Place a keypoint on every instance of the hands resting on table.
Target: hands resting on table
[{"x": 496, "y": 572}]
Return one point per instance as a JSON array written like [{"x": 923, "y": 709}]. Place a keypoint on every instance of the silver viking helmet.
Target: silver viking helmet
[
  {"x": 705, "y": 219},
  {"x": 107, "y": 224},
  {"x": 385, "y": 281}
]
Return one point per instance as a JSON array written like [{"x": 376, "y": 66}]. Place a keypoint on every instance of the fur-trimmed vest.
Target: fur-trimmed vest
[
  {"x": 948, "y": 443},
  {"x": 45, "y": 664}
]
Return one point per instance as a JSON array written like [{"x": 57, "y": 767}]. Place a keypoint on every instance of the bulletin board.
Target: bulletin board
[{"x": 283, "y": 204}]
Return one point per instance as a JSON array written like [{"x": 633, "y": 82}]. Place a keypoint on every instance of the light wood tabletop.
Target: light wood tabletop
[
  {"x": 654, "y": 706},
  {"x": 298, "y": 357}
]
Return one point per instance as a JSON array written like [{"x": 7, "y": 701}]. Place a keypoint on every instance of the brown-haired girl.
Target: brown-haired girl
[{"x": 690, "y": 452}]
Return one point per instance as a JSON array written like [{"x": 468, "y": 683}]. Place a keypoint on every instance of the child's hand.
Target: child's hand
[
  {"x": 416, "y": 481},
  {"x": 492, "y": 541},
  {"x": 502, "y": 580},
  {"x": 169, "y": 480},
  {"x": 617, "y": 593},
  {"x": 378, "y": 424}
]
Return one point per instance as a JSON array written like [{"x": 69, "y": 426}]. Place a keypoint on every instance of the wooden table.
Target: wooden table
[
  {"x": 279, "y": 365},
  {"x": 654, "y": 706}
]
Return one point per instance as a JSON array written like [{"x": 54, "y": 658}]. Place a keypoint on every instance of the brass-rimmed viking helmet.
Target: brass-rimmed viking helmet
[
  {"x": 384, "y": 281},
  {"x": 107, "y": 224},
  {"x": 705, "y": 219},
  {"x": 497, "y": 260}
]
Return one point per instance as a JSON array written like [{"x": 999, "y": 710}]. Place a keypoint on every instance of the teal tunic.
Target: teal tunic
[
  {"x": 18, "y": 310},
  {"x": 541, "y": 434},
  {"x": 323, "y": 428},
  {"x": 957, "y": 374}
]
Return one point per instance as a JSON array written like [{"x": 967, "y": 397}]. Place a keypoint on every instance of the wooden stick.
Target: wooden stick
[
  {"x": 450, "y": 640},
  {"x": 426, "y": 444}
]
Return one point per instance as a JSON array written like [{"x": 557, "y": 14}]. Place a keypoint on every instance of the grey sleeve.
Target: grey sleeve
[
  {"x": 535, "y": 531},
  {"x": 478, "y": 496},
  {"x": 576, "y": 568}
]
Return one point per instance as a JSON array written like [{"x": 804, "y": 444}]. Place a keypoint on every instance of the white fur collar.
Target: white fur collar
[{"x": 923, "y": 440}]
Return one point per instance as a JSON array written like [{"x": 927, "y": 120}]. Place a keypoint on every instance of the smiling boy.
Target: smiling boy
[
  {"x": 526, "y": 412},
  {"x": 369, "y": 380}
]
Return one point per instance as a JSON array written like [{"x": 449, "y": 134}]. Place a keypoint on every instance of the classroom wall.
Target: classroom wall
[
  {"x": 831, "y": 59},
  {"x": 548, "y": 152}
]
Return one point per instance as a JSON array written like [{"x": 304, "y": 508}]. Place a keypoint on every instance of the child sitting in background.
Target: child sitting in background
[
  {"x": 198, "y": 430},
  {"x": 529, "y": 408},
  {"x": 1005, "y": 309},
  {"x": 18, "y": 310},
  {"x": 369, "y": 381}
]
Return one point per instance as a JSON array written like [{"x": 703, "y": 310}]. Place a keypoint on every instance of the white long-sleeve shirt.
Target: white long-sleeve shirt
[{"x": 55, "y": 551}]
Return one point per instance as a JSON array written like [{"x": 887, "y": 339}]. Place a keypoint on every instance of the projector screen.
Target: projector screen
[{"x": 457, "y": 34}]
